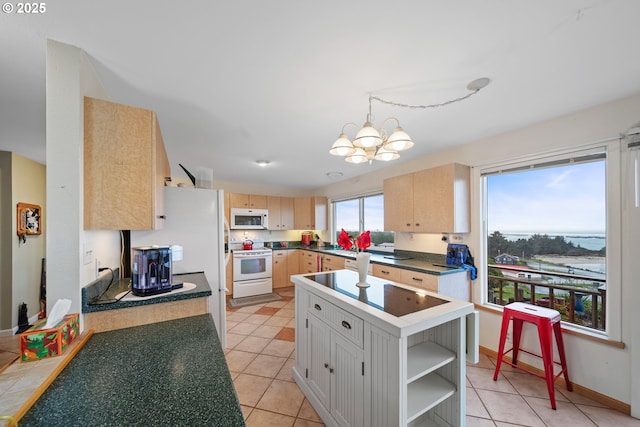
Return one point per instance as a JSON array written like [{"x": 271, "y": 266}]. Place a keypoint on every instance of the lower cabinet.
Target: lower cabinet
[
  {"x": 335, "y": 373},
  {"x": 454, "y": 285},
  {"x": 280, "y": 269}
]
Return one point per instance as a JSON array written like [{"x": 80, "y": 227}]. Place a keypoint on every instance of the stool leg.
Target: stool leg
[
  {"x": 546, "y": 344},
  {"x": 517, "y": 333},
  {"x": 503, "y": 337},
  {"x": 563, "y": 360}
]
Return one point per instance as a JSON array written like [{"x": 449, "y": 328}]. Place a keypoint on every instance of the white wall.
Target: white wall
[
  {"x": 602, "y": 368},
  {"x": 70, "y": 77}
]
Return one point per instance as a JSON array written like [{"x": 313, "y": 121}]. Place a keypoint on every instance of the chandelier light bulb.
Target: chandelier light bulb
[
  {"x": 399, "y": 140},
  {"x": 359, "y": 156},
  {"x": 342, "y": 146},
  {"x": 367, "y": 137}
]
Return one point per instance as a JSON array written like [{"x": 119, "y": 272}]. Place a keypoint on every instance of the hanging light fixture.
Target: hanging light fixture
[{"x": 374, "y": 144}]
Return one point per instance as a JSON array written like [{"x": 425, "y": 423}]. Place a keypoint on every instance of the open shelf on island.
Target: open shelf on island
[
  {"x": 425, "y": 393},
  {"x": 425, "y": 358}
]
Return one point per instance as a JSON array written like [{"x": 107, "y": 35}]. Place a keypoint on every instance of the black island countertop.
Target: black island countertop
[{"x": 167, "y": 373}]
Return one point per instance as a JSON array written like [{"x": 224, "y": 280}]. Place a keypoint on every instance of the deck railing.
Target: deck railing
[{"x": 581, "y": 300}]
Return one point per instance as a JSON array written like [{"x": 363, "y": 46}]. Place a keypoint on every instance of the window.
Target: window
[
  {"x": 546, "y": 236},
  {"x": 362, "y": 214}
]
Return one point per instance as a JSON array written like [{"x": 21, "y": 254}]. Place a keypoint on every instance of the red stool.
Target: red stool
[{"x": 545, "y": 319}]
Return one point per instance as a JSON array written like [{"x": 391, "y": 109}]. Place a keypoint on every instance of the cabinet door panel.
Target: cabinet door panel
[
  {"x": 398, "y": 203},
  {"x": 319, "y": 348},
  {"x": 347, "y": 382}
]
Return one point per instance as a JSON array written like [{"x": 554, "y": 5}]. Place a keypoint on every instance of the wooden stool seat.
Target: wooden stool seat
[{"x": 545, "y": 319}]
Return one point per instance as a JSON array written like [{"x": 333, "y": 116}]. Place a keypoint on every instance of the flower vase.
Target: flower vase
[{"x": 362, "y": 261}]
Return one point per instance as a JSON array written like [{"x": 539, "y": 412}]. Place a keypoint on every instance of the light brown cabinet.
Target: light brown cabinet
[
  {"x": 280, "y": 270},
  {"x": 293, "y": 264},
  {"x": 310, "y": 213},
  {"x": 434, "y": 200},
  {"x": 125, "y": 167},
  {"x": 309, "y": 262},
  {"x": 247, "y": 201},
  {"x": 332, "y": 263},
  {"x": 455, "y": 285},
  {"x": 280, "y": 212},
  {"x": 229, "y": 276}
]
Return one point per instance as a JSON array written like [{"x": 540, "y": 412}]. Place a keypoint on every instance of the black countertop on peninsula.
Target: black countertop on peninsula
[
  {"x": 409, "y": 260},
  {"x": 168, "y": 373},
  {"x": 95, "y": 288}
]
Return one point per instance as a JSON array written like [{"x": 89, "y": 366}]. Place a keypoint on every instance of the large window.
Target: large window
[
  {"x": 362, "y": 214},
  {"x": 545, "y": 235}
]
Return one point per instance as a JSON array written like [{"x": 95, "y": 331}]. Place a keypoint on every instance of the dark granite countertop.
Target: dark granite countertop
[
  {"x": 416, "y": 261},
  {"x": 97, "y": 287},
  {"x": 167, "y": 373}
]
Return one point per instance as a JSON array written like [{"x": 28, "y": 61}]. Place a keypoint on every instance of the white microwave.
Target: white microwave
[{"x": 249, "y": 219}]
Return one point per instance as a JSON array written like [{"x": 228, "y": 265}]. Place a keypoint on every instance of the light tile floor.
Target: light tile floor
[{"x": 260, "y": 354}]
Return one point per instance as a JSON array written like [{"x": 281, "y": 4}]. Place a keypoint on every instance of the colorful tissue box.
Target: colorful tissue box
[{"x": 37, "y": 343}]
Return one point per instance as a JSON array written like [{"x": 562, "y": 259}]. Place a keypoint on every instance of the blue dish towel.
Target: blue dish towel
[{"x": 472, "y": 270}]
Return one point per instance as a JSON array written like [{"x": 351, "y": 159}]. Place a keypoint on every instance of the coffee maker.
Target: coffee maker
[{"x": 151, "y": 270}]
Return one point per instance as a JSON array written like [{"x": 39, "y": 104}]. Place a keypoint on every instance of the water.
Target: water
[{"x": 592, "y": 240}]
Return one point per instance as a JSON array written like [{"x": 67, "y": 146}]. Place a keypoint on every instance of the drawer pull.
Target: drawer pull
[
  {"x": 417, "y": 279},
  {"x": 384, "y": 272},
  {"x": 346, "y": 324},
  {"x": 317, "y": 307}
]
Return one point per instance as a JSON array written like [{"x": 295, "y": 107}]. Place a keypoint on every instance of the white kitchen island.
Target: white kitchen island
[{"x": 387, "y": 355}]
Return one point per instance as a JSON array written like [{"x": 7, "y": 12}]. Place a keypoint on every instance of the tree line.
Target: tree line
[{"x": 538, "y": 244}]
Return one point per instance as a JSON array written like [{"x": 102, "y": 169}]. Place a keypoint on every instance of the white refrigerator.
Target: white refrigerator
[{"x": 195, "y": 220}]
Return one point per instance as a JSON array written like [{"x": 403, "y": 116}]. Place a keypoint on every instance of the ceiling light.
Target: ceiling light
[
  {"x": 262, "y": 163},
  {"x": 374, "y": 144}
]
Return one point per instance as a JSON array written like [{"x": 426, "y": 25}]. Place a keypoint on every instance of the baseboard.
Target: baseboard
[{"x": 577, "y": 388}]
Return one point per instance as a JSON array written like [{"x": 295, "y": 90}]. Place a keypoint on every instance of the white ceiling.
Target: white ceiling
[{"x": 237, "y": 81}]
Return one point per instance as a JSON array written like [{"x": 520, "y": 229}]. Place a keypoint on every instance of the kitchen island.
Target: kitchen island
[
  {"x": 167, "y": 373},
  {"x": 386, "y": 355}
]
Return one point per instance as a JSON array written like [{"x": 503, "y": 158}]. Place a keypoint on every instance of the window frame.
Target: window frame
[
  {"x": 613, "y": 195},
  {"x": 361, "y": 220}
]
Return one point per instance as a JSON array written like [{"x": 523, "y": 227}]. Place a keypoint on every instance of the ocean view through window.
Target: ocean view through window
[{"x": 546, "y": 236}]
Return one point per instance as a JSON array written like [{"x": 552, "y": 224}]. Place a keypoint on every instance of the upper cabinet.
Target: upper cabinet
[
  {"x": 280, "y": 212},
  {"x": 310, "y": 213},
  {"x": 125, "y": 167},
  {"x": 434, "y": 200},
  {"x": 247, "y": 201}
]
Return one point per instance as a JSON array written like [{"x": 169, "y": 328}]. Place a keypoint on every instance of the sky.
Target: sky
[
  {"x": 549, "y": 200},
  {"x": 374, "y": 214}
]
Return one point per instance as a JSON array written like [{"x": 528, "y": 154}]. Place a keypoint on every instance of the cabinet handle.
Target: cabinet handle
[
  {"x": 416, "y": 279},
  {"x": 346, "y": 324},
  {"x": 317, "y": 307},
  {"x": 162, "y": 216},
  {"x": 326, "y": 365},
  {"x": 331, "y": 370},
  {"x": 417, "y": 224},
  {"x": 384, "y": 272}
]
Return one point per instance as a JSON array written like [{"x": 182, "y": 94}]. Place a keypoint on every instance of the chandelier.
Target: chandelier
[{"x": 375, "y": 144}]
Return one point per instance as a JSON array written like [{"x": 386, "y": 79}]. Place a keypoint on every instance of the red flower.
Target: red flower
[
  {"x": 344, "y": 240},
  {"x": 364, "y": 240}
]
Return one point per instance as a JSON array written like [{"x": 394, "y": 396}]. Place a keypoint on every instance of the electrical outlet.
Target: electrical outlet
[{"x": 87, "y": 254}]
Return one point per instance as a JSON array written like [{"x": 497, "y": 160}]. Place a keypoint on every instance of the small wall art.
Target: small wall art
[{"x": 29, "y": 220}]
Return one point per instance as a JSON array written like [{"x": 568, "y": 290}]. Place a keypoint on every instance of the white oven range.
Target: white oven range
[{"x": 251, "y": 272}]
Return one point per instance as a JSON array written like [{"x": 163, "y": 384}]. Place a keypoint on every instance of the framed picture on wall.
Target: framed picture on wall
[{"x": 29, "y": 219}]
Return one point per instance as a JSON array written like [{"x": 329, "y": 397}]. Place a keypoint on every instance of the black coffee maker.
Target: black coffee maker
[{"x": 151, "y": 270}]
